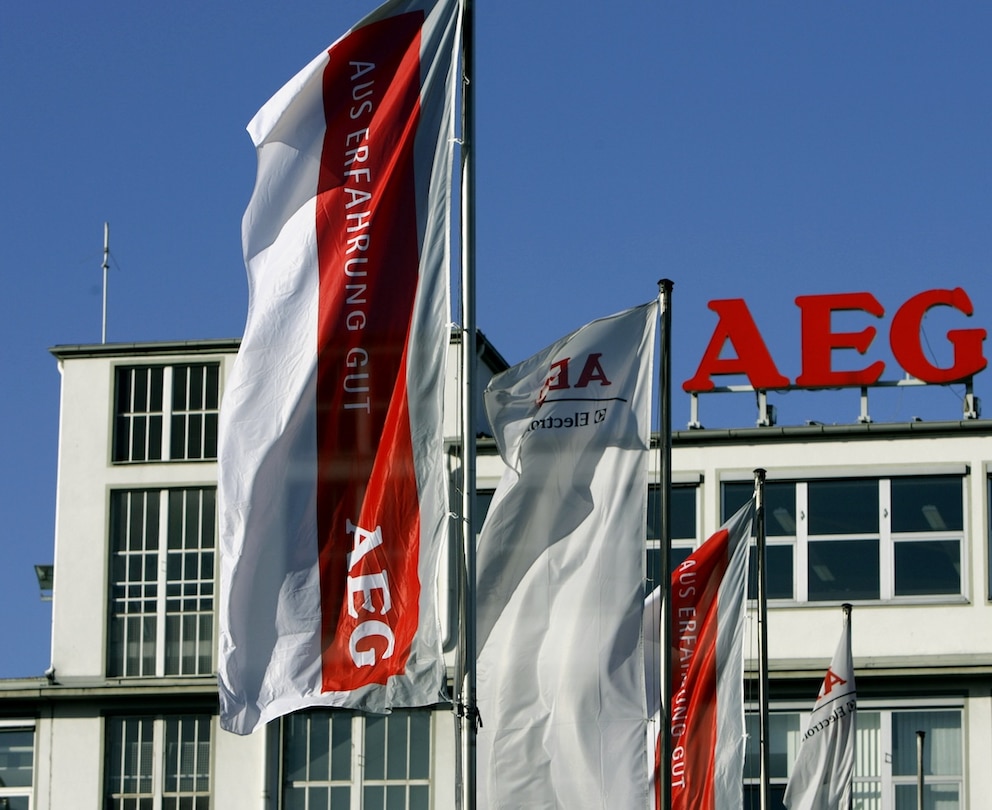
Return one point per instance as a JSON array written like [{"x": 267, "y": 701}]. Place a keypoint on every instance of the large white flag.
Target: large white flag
[
  {"x": 822, "y": 776},
  {"x": 331, "y": 482},
  {"x": 560, "y": 574}
]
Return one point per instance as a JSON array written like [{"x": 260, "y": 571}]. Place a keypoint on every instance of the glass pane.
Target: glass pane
[
  {"x": 210, "y": 435},
  {"x": 928, "y": 567},
  {"x": 783, "y": 742},
  {"x": 320, "y": 747},
  {"x": 157, "y": 376},
  {"x": 177, "y": 441},
  {"x": 935, "y": 797},
  {"x": 16, "y": 757},
  {"x": 341, "y": 741},
  {"x": 653, "y": 564},
  {"x": 375, "y": 747},
  {"x": 180, "y": 376},
  {"x": 340, "y": 798},
  {"x": 396, "y": 740},
  {"x": 294, "y": 799},
  {"x": 868, "y": 744},
  {"x": 374, "y": 797},
  {"x": 927, "y": 504},
  {"x": 295, "y": 747},
  {"x": 396, "y": 797},
  {"x": 483, "y": 500},
  {"x": 843, "y": 569},
  {"x": 843, "y": 507},
  {"x": 752, "y": 797},
  {"x": 318, "y": 798},
  {"x": 780, "y": 509},
  {"x": 683, "y": 513},
  {"x": 155, "y": 438},
  {"x": 780, "y": 505},
  {"x": 866, "y": 795},
  {"x": 420, "y": 797},
  {"x": 941, "y": 745},
  {"x": 735, "y": 495},
  {"x": 778, "y": 576},
  {"x": 213, "y": 386},
  {"x": 420, "y": 745}
]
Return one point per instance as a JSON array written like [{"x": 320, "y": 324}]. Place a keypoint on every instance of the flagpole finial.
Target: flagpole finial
[
  {"x": 665, "y": 284},
  {"x": 847, "y": 606}
]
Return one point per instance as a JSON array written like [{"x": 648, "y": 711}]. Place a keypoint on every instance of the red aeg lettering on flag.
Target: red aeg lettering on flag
[
  {"x": 558, "y": 375},
  {"x": 830, "y": 680}
]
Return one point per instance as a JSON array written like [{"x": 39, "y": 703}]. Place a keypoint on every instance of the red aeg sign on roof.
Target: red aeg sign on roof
[{"x": 752, "y": 359}]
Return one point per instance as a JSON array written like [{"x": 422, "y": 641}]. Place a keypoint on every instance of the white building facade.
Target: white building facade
[{"x": 891, "y": 518}]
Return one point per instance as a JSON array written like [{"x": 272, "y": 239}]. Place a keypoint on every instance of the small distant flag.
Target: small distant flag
[{"x": 823, "y": 773}]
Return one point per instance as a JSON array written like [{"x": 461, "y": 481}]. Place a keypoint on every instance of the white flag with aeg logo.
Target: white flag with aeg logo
[
  {"x": 560, "y": 573},
  {"x": 823, "y": 773}
]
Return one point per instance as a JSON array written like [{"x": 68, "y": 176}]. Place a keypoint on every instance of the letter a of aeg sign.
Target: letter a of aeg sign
[{"x": 752, "y": 358}]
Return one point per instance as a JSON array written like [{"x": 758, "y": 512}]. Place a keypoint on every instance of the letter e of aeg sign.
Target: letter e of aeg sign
[{"x": 752, "y": 359}]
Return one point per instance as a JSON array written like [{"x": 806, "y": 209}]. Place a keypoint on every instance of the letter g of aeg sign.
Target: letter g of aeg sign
[{"x": 753, "y": 359}]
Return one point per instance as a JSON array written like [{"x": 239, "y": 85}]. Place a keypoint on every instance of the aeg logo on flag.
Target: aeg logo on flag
[
  {"x": 364, "y": 585},
  {"x": 592, "y": 376},
  {"x": 829, "y": 682}
]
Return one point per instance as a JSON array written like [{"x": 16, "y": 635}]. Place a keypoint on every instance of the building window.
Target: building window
[
  {"x": 166, "y": 412},
  {"x": 885, "y": 768},
  {"x": 16, "y": 764},
  {"x": 337, "y": 759},
  {"x": 684, "y": 530},
  {"x": 158, "y": 762},
  {"x": 162, "y": 582},
  {"x": 860, "y": 539}
]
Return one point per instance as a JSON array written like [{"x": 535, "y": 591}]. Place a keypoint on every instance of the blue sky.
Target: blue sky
[{"x": 744, "y": 150}]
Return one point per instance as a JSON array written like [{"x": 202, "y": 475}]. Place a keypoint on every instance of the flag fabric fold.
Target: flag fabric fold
[
  {"x": 823, "y": 773},
  {"x": 331, "y": 484},
  {"x": 708, "y": 593},
  {"x": 560, "y": 571}
]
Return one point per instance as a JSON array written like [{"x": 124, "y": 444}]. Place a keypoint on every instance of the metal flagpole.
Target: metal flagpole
[
  {"x": 468, "y": 708},
  {"x": 106, "y": 266},
  {"x": 919, "y": 768},
  {"x": 665, "y": 484},
  {"x": 759, "y": 499}
]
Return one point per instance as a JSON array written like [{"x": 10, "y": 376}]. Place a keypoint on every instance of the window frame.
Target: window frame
[
  {"x": 159, "y": 444},
  {"x": 150, "y": 611},
  {"x": 682, "y": 546},
  {"x": 160, "y": 776},
  {"x": 889, "y": 542},
  {"x": 21, "y": 791},
  {"x": 356, "y": 783}
]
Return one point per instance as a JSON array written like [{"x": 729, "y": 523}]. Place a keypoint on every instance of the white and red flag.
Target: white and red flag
[
  {"x": 560, "y": 571},
  {"x": 331, "y": 483},
  {"x": 708, "y": 594},
  {"x": 823, "y": 773}
]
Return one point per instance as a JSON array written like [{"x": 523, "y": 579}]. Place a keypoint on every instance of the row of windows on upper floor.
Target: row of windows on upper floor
[
  {"x": 868, "y": 539},
  {"x": 339, "y": 759},
  {"x": 843, "y": 539}
]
